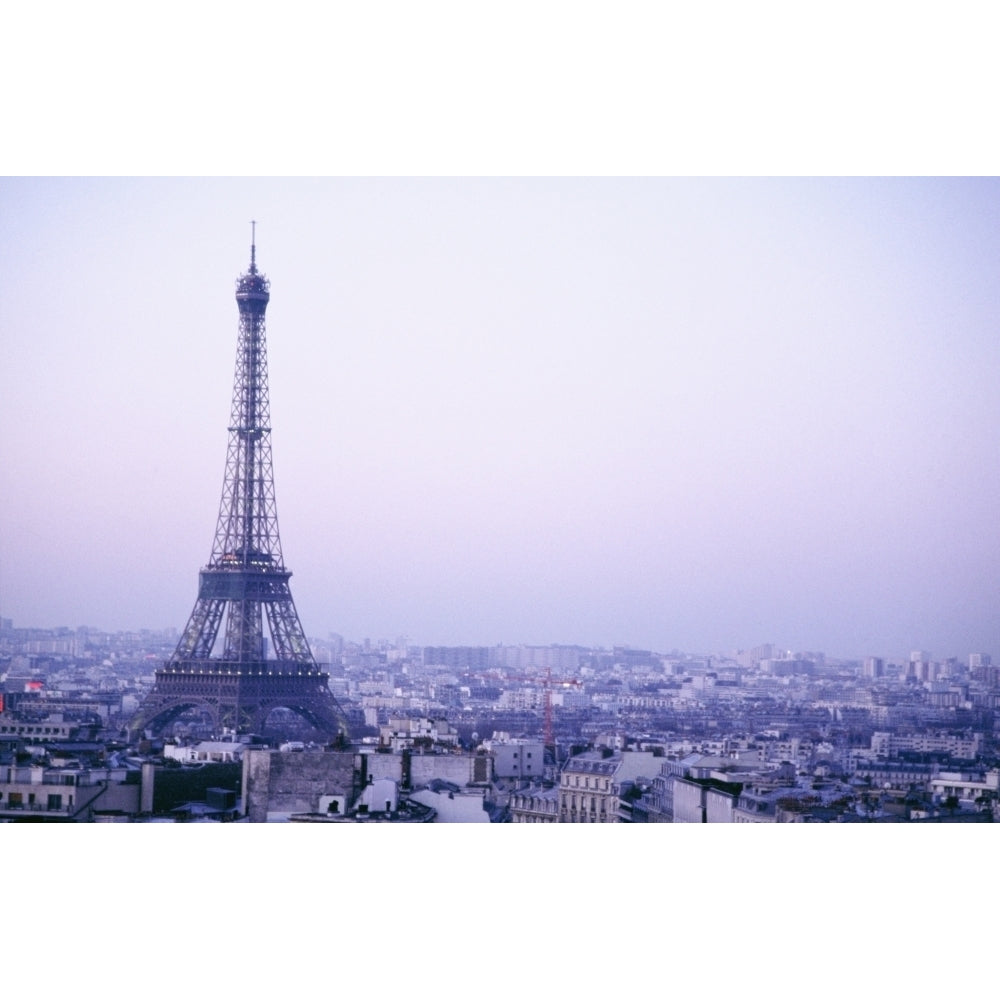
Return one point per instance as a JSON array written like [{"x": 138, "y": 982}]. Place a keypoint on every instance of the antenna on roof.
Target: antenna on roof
[{"x": 253, "y": 246}]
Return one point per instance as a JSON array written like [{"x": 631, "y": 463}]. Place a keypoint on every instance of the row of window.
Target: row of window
[
  {"x": 35, "y": 730},
  {"x": 571, "y": 816},
  {"x": 594, "y": 800},
  {"x": 600, "y": 784},
  {"x": 531, "y": 805},
  {"x": 16, "y": 800}
]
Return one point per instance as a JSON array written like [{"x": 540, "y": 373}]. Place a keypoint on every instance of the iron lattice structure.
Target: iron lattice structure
[{"x": 227, "y": 671}]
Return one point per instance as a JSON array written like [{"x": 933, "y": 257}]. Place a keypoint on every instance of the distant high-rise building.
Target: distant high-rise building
[
  {"x": 874, "y": 667},
  {"x": 917, "y": 667},
  {"x": 752, "y": 657}
]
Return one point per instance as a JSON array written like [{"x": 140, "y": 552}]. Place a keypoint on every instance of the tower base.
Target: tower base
[{"x": 239, "y": 697}]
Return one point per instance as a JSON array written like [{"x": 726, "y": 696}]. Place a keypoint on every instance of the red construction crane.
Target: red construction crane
[{"x": 550, "y": 740}]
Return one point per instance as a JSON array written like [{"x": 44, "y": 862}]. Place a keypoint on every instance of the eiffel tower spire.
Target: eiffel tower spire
[{"x": 245, "y": 583}]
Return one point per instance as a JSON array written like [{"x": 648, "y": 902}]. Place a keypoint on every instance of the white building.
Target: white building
[
  {"x": 205, "y": 752},
  {"x": 404, "y": 734},
  {"x": 967, "y": 746},
  {"x": 966, "y": 787}
]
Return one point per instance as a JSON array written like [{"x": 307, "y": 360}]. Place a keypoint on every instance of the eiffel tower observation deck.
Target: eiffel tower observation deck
[{"x": 222, "y": 667}]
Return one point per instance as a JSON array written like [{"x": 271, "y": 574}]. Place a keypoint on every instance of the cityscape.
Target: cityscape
[
  {"x": 242, "y": 716},
  {"x": 523, "y": 734},
  {"x": 631, "y": 375}
]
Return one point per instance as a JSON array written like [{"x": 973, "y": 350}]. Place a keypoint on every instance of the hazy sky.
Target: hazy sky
[{"x": 695, "y": 414}]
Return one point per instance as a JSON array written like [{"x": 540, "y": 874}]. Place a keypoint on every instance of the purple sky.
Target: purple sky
[{"x": 693, "y": 414}]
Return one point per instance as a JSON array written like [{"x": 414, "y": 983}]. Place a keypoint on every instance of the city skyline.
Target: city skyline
[
  {"x": 322, "y": 646},
  {"x": 672, "y": 414}
]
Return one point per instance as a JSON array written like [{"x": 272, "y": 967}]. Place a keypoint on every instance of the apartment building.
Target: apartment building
[{"x": 590, "y": 783}]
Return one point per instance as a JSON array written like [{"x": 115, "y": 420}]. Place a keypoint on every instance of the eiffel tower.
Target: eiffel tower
[{"x": 226, "y": 672}]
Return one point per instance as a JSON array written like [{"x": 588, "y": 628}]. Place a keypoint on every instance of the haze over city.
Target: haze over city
[{"x": 671, "y": 413}]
